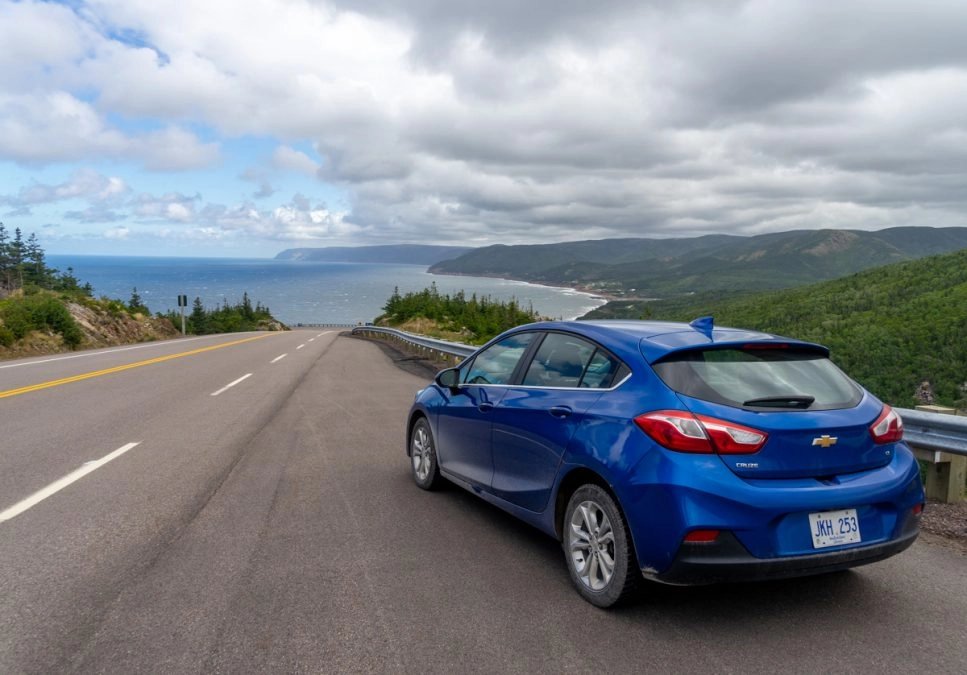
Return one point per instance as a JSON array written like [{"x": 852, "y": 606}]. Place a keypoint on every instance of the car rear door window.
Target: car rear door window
[{"x": 564, "y": 360}]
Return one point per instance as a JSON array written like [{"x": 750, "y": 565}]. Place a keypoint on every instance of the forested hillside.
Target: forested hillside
[
  {"x": 663, "y": 268},
  {"x": 892, "y": 328}
]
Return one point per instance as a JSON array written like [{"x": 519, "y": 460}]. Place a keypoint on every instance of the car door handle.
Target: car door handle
[
  {"x": 485, "y": 406},
  {"x": 560, "y": 411}
]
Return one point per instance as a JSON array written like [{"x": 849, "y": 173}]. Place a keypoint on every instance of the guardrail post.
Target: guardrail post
[{"x": 946, "y": 473}]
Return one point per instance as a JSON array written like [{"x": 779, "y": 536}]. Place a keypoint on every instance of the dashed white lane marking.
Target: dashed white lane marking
[
  {"x": 278, "y": 358},
  {"x": 232, "y": 384},
  {"x": 59, "y": 485}
]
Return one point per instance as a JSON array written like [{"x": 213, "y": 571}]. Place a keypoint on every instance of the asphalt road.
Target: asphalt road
[{"x": 272, "y": 526}]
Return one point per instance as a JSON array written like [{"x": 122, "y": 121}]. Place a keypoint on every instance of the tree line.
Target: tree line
[
  {"x": 23, "y": 265},
  {"x": 241, "y": 316},
  {"x": 35, "y": 297},
  {"x": 477, "y": 319}
]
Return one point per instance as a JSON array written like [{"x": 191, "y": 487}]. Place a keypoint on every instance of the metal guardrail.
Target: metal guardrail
[
  {"x": 442, "y": 349},
  {"x": 940, "y": 440},
  {"x": 933, "y": 431},
  {"x": 324, "y": 325}
]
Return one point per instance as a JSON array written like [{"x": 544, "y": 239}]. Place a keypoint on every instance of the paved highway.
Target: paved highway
[{"x": 242, "y": 504}]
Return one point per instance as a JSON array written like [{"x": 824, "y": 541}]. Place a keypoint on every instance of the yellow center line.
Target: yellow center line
[{"x": 118, "y": 369}]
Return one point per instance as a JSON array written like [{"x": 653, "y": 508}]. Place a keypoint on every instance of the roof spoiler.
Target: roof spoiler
[{"x": 704, "y": 325}]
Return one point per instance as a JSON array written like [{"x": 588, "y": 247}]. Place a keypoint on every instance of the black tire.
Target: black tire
[
  {"x": 422, "y": 451},
  {"x": 597, "y": 547}
]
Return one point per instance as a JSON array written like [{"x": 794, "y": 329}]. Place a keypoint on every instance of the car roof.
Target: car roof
[{"x": 656, "y": 339}]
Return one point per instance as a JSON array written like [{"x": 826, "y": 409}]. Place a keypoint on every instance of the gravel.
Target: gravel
[{"x": 947, "y": 522}]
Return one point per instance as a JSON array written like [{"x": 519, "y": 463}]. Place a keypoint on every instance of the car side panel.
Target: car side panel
[
  {"x": 463, "y": 432},
  {"x": 532, "y": 427}
]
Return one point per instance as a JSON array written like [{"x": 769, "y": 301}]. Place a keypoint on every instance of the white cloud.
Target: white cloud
[
  {"x": 170, "y": 206},
  {"x": 291, "y": 159},
  {"x": 38, "y": 40},
  {"x": 84, "y": 183},
  {"x": 120, "y": 232},
  {"x": 173, "y": 149},
  {"x": 44, "y": 128},
  {"x": 53, "y": 126},
  {"x": 469, "y": 122}
]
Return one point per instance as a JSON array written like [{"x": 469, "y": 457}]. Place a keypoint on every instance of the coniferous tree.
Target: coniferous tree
[
  {"x": 136, "y": 304},
  {"x": 17, "y": 250},
  {"x": 248, "y": 313},
  {"x": 6, "y": 278},
  {"x": 198, "y": 318},
  {"x": 35, "y": 267}
]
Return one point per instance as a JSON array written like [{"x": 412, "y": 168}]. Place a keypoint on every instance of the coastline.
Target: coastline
[
  {"x": 302, "y": 292},
  {"x": 604, "y": 298},
  {"x": 601, "y": 298}
]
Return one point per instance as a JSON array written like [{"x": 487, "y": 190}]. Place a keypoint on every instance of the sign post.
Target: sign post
[{"x": 182, "y": 302}]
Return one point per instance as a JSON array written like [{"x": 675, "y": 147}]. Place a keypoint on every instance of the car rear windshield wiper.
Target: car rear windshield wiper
[{"x": 791, "y": 402}]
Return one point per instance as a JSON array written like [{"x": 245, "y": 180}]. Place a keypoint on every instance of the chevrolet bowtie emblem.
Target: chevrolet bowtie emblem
[{"x": 825, "y": 441}]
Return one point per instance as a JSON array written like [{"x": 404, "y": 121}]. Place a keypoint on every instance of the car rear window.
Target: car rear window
[{"x": 760, "y": 378}]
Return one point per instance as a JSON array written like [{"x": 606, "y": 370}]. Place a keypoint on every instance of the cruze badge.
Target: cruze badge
[{"x": 825, "y": 441}]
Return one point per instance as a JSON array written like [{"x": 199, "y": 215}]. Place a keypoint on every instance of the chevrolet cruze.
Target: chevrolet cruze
[{"x": 679, "y": 453}]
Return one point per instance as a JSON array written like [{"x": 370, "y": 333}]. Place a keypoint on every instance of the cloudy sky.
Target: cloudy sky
[{"x": 241, "y": 128}]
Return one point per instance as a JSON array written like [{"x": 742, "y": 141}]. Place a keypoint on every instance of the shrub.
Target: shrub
[
  {"x": 39, "y": 311},
  {"x": 16, "y": 317}
]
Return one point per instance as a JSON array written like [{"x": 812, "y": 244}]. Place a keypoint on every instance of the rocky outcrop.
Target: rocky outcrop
[
  {"x": 102, "y": 325},
  {"x": 104, "y": 328}
]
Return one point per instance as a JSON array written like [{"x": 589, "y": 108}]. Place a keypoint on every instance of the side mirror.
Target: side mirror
[{"x": 449, "y": 378}]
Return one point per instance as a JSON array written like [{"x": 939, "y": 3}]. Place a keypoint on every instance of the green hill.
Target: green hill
[
  {"x": 662, "y": 268},
  {"x": 569, "y": 261},
  {"x": 892, "y": 328}
]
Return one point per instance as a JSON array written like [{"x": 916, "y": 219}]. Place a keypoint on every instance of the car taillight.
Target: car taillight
[
  {"x": 701, "y": 536},
  {"x": 888, "y": 427},
  {"x": 685, "y": 432}
]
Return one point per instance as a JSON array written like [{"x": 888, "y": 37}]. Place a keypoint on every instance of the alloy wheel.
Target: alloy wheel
[{"x": 591, "y": 545}]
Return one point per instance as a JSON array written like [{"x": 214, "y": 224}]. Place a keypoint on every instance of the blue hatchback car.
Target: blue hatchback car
[{"x": 681, "y": 453}]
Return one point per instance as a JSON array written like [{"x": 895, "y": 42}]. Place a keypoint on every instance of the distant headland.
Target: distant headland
[{"x": 411, "y": 254}]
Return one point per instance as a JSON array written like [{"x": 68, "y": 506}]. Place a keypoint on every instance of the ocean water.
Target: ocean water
[{"x": 298, "y": 291}]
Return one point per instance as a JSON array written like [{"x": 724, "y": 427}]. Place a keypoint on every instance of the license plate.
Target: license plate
[{"x": 834, "y": 528}]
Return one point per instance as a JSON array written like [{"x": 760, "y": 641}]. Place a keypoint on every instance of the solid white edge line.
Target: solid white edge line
[
  {"x": 59, "y": 485},
  {"x": 278, "y": 358},
  {"x": 102, "y": 352},
  {"x": 232, "y": 384}
]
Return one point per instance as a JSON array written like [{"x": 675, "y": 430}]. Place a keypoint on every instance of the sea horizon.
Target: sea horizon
[{"x": 299, "y": 291}]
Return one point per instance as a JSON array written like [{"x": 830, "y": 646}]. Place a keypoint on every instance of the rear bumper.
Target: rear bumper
[{"x": 727, "y": 560}]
